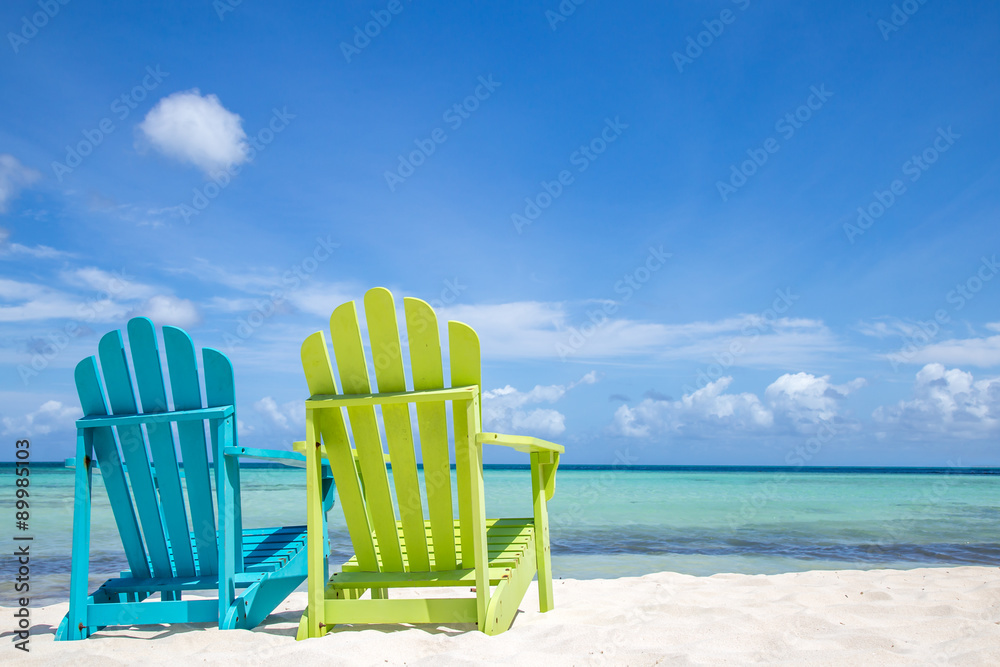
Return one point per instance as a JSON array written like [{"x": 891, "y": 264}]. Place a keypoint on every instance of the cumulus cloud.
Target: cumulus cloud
[
  {"x": 50, "y": 416},
  {"x": 946, "y": 402},
  {"x": 289, "y": 416},
  {"x": 197, "y": 129},
  {"x": 14, "y": 176},
  {"x": 794, "y": 403},
  {"x": 691, "y": 414},
  {"x": 805, "y": 400},
  {"x": 509, "y": 410}
]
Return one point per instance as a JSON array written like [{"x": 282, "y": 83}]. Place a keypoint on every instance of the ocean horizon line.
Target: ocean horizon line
[{"x": 596, "y": 467}]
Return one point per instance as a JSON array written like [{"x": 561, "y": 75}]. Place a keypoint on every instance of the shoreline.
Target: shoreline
[{"x": 925, "y": 615}]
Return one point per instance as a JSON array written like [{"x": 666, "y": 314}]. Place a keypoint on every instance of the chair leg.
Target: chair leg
[
  {"x": 76, "y": 619},
  {"x": 264, "y": 596},
  {"x": 543, "y": 557}
]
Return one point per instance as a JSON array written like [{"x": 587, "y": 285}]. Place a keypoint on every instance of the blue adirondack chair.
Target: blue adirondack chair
[{"x": 252, "y": 570}]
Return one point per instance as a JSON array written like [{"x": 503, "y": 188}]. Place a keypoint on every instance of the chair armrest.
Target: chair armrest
[
  {"x": 296, "y": 459},
  {"x": 544, "y": 455},
  {"x": 521, "y": 443},
  {"x": 198, "y": 414},
  {"x": 300, "y": 446},
  {"x": 71, "y": 463}
]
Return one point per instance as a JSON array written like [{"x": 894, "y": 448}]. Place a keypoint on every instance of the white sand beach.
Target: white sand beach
[{"x": 875, "y": 617}]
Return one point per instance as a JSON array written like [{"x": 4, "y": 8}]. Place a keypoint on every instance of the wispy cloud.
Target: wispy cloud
[
  {"x": 14, "y": 176},
  {"x": 37, "y": 251},
  {"x": 983, "y": 352},
  {"x": 93, "y": 295},
  {"x": 539, "y": 330}
]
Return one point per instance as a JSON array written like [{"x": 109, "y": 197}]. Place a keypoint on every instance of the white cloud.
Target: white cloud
[
  {"x": 706, "y": 409},
  {"x": 320, "y": 298},
  {"x": 13, "y": 177},
  {"x": 38, "y": 302},
  {"x": 531, "y": 329},
  {"x": 290, "y": 416},
  {"x": 38, "y": 251},
  {"x": 196, "y": 129},
  {"x": 108, "y": 284},
  {"x": 946, "y": 402},
  {"x": 794, "y": 403},
  {"x": 282, "y": 290},
  {"x": 885, "y": 327},
  {"x": 805, "y": 400},
  {"x": 981, "y": 352},
  {"x": 508, "y": 410},
  {"x": 98, "y": 296},
  {"x": 165, "y": 309},
  {"x": 50, "y": 416}
]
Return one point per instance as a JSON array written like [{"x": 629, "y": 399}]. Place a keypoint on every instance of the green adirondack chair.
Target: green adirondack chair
[
  {"x": 498, "y": 557},
  {"x": 252, "y": 570}
]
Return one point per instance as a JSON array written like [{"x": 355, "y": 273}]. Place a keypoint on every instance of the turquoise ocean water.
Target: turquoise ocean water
[{"x": 609, "y": 522}]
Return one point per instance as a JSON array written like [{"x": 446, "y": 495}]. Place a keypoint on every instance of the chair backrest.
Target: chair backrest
[
  {"x": 364, "y": 490},
  {"x": 151, "y": 474}
]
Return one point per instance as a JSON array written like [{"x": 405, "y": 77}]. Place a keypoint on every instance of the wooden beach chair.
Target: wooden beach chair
[
  {"x": 396, "y": 545},
  {"x": 252, "y": 570}
]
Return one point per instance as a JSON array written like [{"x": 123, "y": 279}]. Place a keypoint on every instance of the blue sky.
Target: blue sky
[{"x": 721, "y": 232}]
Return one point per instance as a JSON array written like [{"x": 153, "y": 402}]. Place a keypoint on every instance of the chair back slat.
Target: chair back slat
[
  {"x": 364, "y": 489},
  {"x": 383, "y": 333},
  {"x": 353, "y": 371},
  {"x": 153, "y": 398},
  {"x": 463, "y": 355},
  {"x": 432, "y": 422},
  {"x": 319, "y": 376},
  {"x": 220, "y": 390},
  {"x": 88, "y": 386},
  {"x": 121, "y": 397},
  {"x": 182, "y": 367}
]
